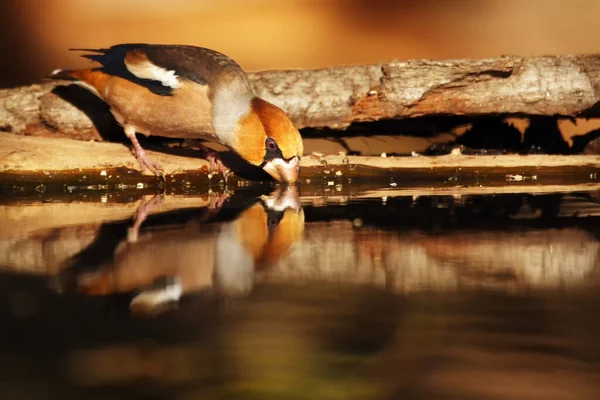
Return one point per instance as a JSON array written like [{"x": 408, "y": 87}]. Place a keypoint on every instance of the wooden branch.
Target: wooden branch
[{"x": 336, "y": 97}]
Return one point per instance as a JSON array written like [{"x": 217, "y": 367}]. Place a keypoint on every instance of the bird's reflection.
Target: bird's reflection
[
  {"x": 260, "y": 236},
  {"x": 164, "y": 263}
]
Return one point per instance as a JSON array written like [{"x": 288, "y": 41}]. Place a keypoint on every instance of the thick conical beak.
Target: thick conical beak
[
  {"x": 283, "y": 198},
  {"x": 283, "y": 171}
]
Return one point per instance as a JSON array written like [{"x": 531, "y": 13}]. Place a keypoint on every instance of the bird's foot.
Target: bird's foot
[
  {"x": 216, "y": 165},
  {"x": 140, "y": 153},
  {"x": 146, "y": 163}
]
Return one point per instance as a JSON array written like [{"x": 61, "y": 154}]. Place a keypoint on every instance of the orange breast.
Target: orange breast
[{"x": 185, "y": 114}]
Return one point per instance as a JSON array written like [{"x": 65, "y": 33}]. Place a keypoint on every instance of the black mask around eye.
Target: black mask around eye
[{"x": 273, "y": 150}]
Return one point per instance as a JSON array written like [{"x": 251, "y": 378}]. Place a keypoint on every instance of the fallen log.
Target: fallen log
[{"x": 567, "y": 86}]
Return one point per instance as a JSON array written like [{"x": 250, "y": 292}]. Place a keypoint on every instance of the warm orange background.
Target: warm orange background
[{"x": 269, "y": 34}]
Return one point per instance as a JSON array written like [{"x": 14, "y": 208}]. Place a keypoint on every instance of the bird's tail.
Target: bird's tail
[
  {"x": 65, "y": 74},
  {"x": 92, "y": 79}
]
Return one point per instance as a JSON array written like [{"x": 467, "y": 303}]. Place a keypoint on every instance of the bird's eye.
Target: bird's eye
[{"x": 271, "y": 144}]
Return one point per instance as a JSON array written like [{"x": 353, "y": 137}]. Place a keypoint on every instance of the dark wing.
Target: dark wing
[
  {"x": 160, "y": 68},
  {"x": 197, "y": 64}
]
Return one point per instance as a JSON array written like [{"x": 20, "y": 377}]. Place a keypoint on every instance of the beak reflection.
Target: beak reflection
[{"x": 222, "y": 258}]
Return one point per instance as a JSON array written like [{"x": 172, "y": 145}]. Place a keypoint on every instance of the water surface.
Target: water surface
[{"x": 319, "y": 292}]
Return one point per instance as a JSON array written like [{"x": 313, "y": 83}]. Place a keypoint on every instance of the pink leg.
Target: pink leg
[
  {"x": 141, "y": 155},
  {"x": 141, "y": 214},
  {"x": 215, "y": 161},
  {"x": 217, "y": 200}
]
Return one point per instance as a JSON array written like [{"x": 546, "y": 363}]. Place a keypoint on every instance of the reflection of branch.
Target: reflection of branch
[{"x": 336, "y": 97}]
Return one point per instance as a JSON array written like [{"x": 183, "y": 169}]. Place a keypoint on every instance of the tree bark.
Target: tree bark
[{"x": 336, "y": 97}]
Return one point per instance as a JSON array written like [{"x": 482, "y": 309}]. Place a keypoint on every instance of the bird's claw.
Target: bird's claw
[
  {"x": 216, "y": 165},
  {"x": 214, "y": 160},
  {"x": 146, "y": 163}
]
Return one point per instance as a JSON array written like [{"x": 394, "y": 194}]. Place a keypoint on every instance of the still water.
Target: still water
[{"x": 280, "y": 293}]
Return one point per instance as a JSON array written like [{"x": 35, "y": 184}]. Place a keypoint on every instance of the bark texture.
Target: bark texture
[{"x": 339, "y": 96}]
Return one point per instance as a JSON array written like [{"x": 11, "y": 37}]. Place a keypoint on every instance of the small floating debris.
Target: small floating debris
[
  {"x": 123, "y": 186},
  {"x": 520, "y": 178},
  {"x": 345, "y": 160},
  {"x": 338, "y": 173},
  {"x": 357, "y": 222},
  {"x": 140, "y": 185},
  {"x": 415, "y": 154},
  {"x": 456, "y": 152},
  {"x": 383, "y": 155},
  {"x": 103, "y": 173},
  {"x": 330, "y": 183}
]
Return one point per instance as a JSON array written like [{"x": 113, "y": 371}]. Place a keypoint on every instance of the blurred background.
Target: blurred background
[{"x": 281, "y": 34}]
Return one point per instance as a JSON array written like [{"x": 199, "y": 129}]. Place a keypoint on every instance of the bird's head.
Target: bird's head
[{"x": 267, "y": 138}]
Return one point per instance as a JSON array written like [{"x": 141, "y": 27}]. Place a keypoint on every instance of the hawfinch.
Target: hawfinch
[{"x": 190, "y": 92}]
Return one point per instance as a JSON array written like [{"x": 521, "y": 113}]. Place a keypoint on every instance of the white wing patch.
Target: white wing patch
[{"x": 146, "y": 70}]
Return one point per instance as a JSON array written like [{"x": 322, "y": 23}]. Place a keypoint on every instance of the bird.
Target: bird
[
  {"x": 194, "y": 93},
  {"x": 163, "y": 264}
]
